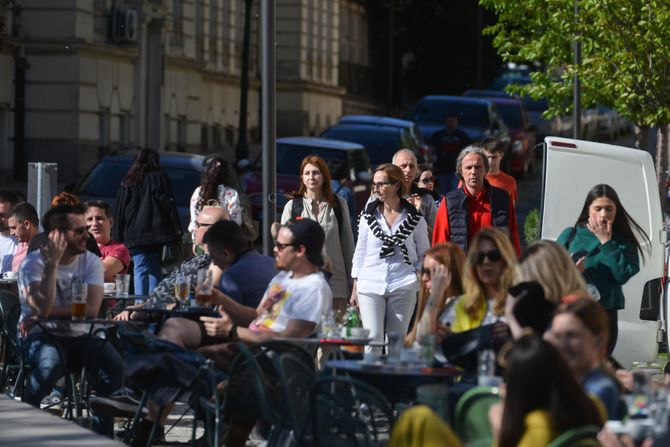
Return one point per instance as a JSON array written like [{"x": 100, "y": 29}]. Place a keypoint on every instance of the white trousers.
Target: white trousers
[{"x": 392, "y": 311}]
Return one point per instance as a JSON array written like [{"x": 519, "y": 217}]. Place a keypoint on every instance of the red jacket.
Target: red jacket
[{"x": 479, "y": 216}]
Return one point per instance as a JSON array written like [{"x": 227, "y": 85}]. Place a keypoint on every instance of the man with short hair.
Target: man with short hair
[
  {"x": 494, "y": 150},
  {"x": 7, "y": 242},
  {"x": 47, "y": 280},
  {"x": 447, "y": 144},
  {"x": 424, "y": 202},
  {"x": 114, "y": 255},
  {"x": 23, "y": 224},
  {"x": 475, "y": 205}
]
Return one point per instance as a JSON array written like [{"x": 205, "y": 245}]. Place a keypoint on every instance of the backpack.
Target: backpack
[{"x": 298, "y": 206}]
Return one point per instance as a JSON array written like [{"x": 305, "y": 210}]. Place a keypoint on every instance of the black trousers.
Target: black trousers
[{"x": 613, "y": 315}]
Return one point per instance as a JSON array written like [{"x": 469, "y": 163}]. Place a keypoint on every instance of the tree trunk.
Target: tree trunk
[
  {"x": 662, "y": 161},
  {"x": 641, "y": 135}
]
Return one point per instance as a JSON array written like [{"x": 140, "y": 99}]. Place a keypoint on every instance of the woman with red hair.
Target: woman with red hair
[{"x": 315, "y": 200}]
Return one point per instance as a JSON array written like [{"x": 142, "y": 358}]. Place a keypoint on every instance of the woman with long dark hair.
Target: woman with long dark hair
[
  {"x": 146, "y": 218},
  {"x": 216, "y": 189},
  {"x": 604, "y": 243},
  {"x": 316, "y": 200},
  {"x": 542, "y": 397}
]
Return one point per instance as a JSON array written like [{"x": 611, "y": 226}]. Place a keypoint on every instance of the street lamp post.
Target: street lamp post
[{"x": 269, "y": 121}]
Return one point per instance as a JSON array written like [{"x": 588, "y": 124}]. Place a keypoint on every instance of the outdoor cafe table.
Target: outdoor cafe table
[
  {"x": 112, "y": 297},
  {"x": 397, "y": 382},
  {"x": 191, "y": 313}
]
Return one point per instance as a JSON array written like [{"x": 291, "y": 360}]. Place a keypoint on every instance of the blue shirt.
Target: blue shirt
[
  {"x": 247, "y": 278},
  {"x": 599, "y": 384}
]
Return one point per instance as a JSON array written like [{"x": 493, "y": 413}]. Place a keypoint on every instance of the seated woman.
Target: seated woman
[
  {"x": 542, "y": 398},
  {"x": 580, "y": 330},
  {"x": 441, "y": 285},
  {"x": 488, "y": 273}
]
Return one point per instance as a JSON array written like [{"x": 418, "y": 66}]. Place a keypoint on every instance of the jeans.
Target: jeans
[
  {"x": 147, "y": 268},
  {"x": 386, "y": 313},
  {"x": 42, "y": 353}
]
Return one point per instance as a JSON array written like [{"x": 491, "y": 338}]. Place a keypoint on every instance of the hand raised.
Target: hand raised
[
  {"x": 601, "y": 230},
  {"x": 55, "y": 247}
]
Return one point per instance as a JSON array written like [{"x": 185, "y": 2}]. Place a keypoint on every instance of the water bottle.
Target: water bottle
[{"x": 486, "y": 368}]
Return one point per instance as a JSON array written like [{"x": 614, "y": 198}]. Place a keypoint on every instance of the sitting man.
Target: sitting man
[
  {"x": 292, "y": 306},
  {"x": 46, "y": 280},
  {"x": 164, "y": 291},
  {"x": 115, "y": 256},
  {"x": 7, "y": 242},
  {"x": 23, "y": 225}
]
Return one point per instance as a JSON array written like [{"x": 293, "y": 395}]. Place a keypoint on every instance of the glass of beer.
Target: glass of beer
[
  {"x": 79, "y": 295},
  {"x": 203, "y": 292},
  {"x": 182, "y": 288}
]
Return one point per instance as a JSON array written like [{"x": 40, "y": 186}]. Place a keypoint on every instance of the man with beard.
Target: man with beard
[
  {"x": 7, "y": 242},
  {"x": 48, "y": 279}
]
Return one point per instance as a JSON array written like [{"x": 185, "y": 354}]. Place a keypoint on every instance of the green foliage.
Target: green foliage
[
  {"x": 531, "y": 227},
  {"x": 625, "y": 52}
]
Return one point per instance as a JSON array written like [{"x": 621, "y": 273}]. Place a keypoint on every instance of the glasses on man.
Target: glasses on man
[
  {"x": 380, "y": 185},
  {"x": 202, "y": 224},
  {"x": 493, "y": 256},
  {"x": 280, "y": 247}
]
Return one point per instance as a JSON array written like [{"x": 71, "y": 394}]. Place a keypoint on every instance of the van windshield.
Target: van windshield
[{"x": 511, "y": 114}]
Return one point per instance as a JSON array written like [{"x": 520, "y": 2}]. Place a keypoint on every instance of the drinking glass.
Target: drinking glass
[
  {"x": 122, "y": 284},
  {"x": 203, "y": 292},
  {"x": 182, "y": 288},
  {"x": 78, "y": 304}
]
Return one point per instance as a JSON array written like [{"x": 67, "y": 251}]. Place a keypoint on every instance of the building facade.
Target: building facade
[{"x": 103, "y": 74}]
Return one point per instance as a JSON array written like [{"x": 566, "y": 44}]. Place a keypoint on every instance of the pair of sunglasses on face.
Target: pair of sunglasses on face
[{"x": 493, "y": 256}]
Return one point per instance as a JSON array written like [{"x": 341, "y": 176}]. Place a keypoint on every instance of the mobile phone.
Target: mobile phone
[{"x": 578, "y": 255}]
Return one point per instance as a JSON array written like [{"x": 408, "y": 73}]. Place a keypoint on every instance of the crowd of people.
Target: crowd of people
[{"x": 434, "y": 252}]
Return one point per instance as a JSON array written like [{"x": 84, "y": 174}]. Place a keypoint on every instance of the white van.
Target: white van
[{"x": 571, "y": 169}]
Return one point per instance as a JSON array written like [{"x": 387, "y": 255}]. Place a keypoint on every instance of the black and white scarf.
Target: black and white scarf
[{"x": 398, "y": 239}]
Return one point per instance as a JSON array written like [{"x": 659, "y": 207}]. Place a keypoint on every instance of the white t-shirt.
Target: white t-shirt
[
  {"x": 86, "y": 267},
  {"x": 285, "y": 299},
  {"x": 7, "y": 249}
]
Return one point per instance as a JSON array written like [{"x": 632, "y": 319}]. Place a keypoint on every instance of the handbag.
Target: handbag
[{"x": 171, "y": 253}]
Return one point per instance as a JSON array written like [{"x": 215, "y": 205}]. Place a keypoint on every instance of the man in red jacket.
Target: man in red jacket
[{"x": 474, "y": 205}]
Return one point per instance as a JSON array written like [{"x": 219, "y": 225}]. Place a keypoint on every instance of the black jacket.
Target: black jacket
[{"x": 146, "y": 214}]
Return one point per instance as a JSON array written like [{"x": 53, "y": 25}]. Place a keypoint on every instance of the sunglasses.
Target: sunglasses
[
  {"x": 425, "y": 271},
  {"x": 427, "y": 180},
  {"x": 493, "y": 256},
  {"x": 281, "y": 247}
]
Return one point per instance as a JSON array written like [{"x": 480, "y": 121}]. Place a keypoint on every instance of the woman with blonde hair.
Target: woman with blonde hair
[
  {"x": 549, "y": 264},
  {"x": 441, "y": 285},
  {"x": 316, "y": 200},
  {"x": 392, "y": 239},
  {"x": 488, "y": 273}
]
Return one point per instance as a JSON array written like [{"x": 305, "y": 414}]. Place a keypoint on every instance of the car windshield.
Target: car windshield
[
  {"x": 289, "y": 157},
  {"x": 469, "y": 114},
  {"x": 105, "y": 178},
  {"x": 511, "y": 114},
  {"x": 380, "y": 146}
]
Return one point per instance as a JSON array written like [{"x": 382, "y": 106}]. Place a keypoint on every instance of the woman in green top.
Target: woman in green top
[{"x": 605, "y": 248}]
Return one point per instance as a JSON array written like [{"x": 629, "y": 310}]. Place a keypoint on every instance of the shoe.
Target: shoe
[
  {"x": 121, "y": 403},
  {"x": 53, "y": 403}
]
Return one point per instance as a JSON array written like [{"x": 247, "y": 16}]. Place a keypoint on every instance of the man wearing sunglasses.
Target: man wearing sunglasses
[
  {"x": 474, "y": 205},
  {"x": 47, "y": 279}
]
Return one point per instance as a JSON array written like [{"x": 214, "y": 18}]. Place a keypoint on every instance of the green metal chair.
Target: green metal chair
[
  {"x": 346, "y": 412},
  {"x": 586, "y": 436},
  {"x": 14, "y": 367},
  {"x": 471, "y": 419},
  {"x": 297, "y": 378}
]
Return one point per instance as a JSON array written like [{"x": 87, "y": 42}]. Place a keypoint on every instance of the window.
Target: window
[
  {"x": 104, "y": 121},
  {"x": 213, "y": 31},
  {"x": 177, "y": 25}
]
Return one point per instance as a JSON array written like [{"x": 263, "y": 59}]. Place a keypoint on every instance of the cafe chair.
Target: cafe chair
[
  {"x": 471, "y": 417},
  {"x": 297, "y": 378},
  {"x": 14, "y": 367},
  {"x": 586, "y": 436},
  {"x": 346, "y": 412}
]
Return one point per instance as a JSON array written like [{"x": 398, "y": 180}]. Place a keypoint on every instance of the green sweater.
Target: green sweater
[{"x": 608, "y": 266}]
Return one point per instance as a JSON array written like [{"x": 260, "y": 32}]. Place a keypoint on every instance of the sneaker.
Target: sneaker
[
  {"x": 121, "y": 403},
  {"x": 53, "y": 403}
]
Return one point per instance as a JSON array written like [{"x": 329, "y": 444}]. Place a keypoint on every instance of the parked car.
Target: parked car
[
  {"x": 521, "y": 159},
  {"x": 103, "y": 180},
  {"x": 381, "y": 142},
  {"x": 422, "y": 149},
  {"x": 478, "y": 118},
  {"x": 290, "y": 152}
]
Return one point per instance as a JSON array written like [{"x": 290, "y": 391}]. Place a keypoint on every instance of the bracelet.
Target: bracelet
[{"x": 232, "y": 334}]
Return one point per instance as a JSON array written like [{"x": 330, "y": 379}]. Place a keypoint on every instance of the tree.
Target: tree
[{"x": 625, "y": 56}]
